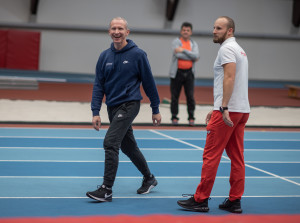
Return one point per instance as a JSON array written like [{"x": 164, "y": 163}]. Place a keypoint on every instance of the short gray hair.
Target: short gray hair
[{"x": 119, "y": 18}]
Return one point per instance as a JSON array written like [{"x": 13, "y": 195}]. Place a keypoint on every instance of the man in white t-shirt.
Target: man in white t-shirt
[{"x": 226, "y": 122}]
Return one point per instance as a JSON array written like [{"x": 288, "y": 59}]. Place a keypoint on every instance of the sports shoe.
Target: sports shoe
[
  {"x": 103, "y": 193},
  {"x": 231, "y": 206},
  {"x": 193, "y": 205},
  {"x": 191, "y": 122},
  {"x": 147, "y": 185},
  {"x": 175, "y": 121}
]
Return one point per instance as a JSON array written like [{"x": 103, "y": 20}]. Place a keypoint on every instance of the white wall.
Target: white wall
[{"x": 78, "y": 52}]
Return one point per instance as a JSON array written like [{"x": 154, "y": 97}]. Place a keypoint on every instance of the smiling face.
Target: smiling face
[
  {"x": 118, "y": 31},
  {"x": 221, "y": 31}
]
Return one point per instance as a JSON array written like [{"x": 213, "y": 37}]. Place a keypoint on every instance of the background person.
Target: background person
[
  {"x": 119, "y": 72},
  {"x": 185, "y": 54},
  {"x": 226, "y": 123}
]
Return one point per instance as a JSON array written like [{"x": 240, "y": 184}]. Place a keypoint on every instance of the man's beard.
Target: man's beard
[{"x": 220, "y": 40}]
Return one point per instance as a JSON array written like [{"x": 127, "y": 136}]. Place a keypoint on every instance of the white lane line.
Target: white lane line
[
  {"x": 225, "y": 157},
  {"x": 281, "y": 162},
  {"x": 275, "y": 140},
  {"x": 150, "y": 161},
  {"x": 50, "y": 137},
  {"x": 70, "y": 137},
  {"x": 44, "y": 148},
  {"x": 154, "y": 197},
  {"x": 249, "y": 140},
  {"x": 175, "y": 139},
  {"x": 272, "y": 150},
  {"x": 101, "y": 161},
  {"x": 142, "y": 138},
  {"x": 171, "y": 149},
  {"x": 272, "y": 174},
  {"x": 137, "y": 177}
]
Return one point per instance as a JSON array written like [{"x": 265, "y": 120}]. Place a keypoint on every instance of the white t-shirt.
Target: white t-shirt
[{"x": 231, "y": 52}]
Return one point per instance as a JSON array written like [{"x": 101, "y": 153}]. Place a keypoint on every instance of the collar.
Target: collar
[{"x": 231, "y": 39}]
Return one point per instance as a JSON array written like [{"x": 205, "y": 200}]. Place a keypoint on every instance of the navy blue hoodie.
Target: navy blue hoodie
[{"x": 119, "y": 74}]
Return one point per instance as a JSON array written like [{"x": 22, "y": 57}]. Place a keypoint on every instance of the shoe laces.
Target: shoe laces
[
  {"x": 101, "y": 187},
  {"x": 226, "y": 200},
  {"x": 187, "y": 195},
  {"x": 192, "y": 196},
  {"x": 147, "y": 179}
]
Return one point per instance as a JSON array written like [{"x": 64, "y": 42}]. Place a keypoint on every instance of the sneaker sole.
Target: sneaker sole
[
  {"x": 109, "y": 199},
  {"x": 200, "y": 209},
  {"x": 236, "y": 211},
  {"x": 150, "y": 188}
]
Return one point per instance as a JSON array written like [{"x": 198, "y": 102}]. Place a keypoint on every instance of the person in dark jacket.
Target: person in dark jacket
[{"x": 120, "y": 71}]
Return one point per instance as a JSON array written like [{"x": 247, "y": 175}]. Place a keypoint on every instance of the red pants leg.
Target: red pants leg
[
  {"x": 218, "y": 136},
  {"x": 235, "y": 151}
]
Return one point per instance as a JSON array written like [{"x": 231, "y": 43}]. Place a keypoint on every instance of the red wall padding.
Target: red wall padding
[
  {"x": 22, "y": 50},
  {"x": 3, "y": 48}
]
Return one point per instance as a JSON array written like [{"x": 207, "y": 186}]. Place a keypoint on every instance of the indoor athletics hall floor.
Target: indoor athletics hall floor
[{"x": 47, "y": 167}]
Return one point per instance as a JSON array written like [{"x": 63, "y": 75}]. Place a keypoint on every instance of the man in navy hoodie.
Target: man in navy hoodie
[{"x": 119, "y": 72}]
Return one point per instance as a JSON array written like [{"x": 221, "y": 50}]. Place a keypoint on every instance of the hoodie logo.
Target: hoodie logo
[
  {"x": 108, "y": 64},
  {"x": 125, "y": 62}
]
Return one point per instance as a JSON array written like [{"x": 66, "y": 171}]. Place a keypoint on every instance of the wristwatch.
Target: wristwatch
[{"x": 222, "y": 109}]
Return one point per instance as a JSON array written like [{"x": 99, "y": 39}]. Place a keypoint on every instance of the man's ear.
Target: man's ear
[{"x": 230, "y": 31}]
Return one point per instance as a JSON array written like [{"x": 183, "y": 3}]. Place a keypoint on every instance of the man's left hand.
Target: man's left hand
[{"x": 226, "y": 118}]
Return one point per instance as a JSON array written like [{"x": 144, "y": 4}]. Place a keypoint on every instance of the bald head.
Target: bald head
[
  {"x": 223, "y": 29},
  {"x": 229, "y": 22}
]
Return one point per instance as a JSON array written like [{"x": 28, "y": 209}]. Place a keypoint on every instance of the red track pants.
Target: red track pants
[{"x": 220, "y": 137}]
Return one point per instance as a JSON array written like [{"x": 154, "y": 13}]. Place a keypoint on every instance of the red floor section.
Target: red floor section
[{"x": 163, "y": 219}]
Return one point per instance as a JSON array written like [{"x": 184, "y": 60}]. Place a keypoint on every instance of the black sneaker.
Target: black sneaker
[
  {"x": 147, "y": 185},
  {"x": 193, "y": 205},
  {"x": 231, "y": 206},
  {"x": 101, "y": 194},
  {"x": 175, "y": 121}
]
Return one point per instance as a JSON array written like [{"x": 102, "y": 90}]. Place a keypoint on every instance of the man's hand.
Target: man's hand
[
  {"x": 226, "y": 118},
  {"x": 208, "y": 116},
  {"x": 156, "y": 118},
  {"x": 96, "y": 122},
  {"x": 179, "y": 50}
]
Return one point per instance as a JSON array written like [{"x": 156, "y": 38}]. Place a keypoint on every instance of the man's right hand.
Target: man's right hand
[
  {"x": 96, "y": 122},
  {"x": 179, "y": 49}
]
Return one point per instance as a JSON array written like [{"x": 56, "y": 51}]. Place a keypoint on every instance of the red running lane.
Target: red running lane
[{"x": 161, "y": 219}]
